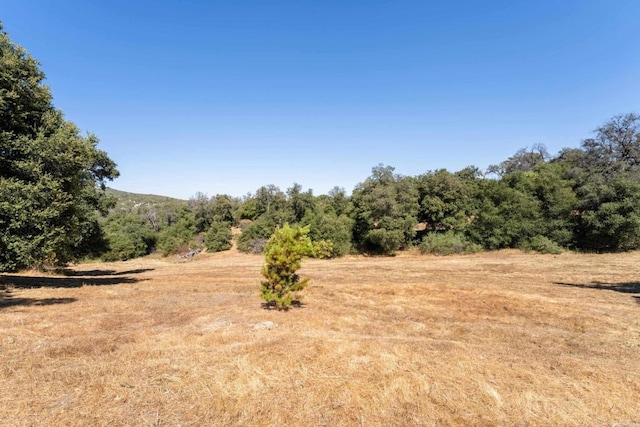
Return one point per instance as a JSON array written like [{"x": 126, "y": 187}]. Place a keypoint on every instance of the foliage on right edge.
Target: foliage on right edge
[{"x": 283, "y": 256}]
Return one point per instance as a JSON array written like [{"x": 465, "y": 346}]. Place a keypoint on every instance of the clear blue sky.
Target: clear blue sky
[{"x": 226, "y": 96}]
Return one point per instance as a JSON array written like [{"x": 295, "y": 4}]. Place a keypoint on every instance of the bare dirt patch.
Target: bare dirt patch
[{"x": 501, "y": 338}]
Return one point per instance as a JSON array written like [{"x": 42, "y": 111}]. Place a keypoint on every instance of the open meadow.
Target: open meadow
[{"x": 498, "y": 338}]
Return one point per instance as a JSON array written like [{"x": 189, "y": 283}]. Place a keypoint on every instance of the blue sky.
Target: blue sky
[{"x": 226, "y": 96}]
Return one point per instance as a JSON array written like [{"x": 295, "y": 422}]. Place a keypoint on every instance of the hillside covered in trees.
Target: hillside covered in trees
[{"x": 585, "y": 198}]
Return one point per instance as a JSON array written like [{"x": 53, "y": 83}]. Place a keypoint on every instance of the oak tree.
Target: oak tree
[{"x": 51, "y": 176}]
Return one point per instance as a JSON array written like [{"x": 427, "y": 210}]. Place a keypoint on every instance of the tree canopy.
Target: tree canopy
[
  {"x": 51, "y": 177},
  {"x": 584, "y": 198}
]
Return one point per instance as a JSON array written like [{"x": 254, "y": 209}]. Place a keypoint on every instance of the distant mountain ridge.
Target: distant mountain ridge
[
  {"x": 129, "y": 200},
  {"x": 151, "y": 197}
]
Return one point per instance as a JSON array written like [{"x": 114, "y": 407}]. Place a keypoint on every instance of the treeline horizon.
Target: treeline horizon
[
  {"x": 585, "y": 199},
  {"x": 54, "y": 209}
]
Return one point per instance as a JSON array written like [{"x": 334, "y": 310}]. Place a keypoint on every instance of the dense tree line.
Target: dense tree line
[
  {"x": 53, "y": 207},
  {"x": 585, "y": 198}
]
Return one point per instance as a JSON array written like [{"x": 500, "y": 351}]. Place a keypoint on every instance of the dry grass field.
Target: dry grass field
[{"x": 501, "y": 338}]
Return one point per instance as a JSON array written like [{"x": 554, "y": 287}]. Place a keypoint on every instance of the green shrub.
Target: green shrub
[
  {"x": 174, "y": 239},
  {"x": 179, "y": 235},
  {"x": 328, "y": 229},
  {"x": 128, "y": 236},
  {"x": 124, "y": 246},
  {"x": 283, "y": 256},
  {"x": 447, "y": 243},
  {"x": 384, "y": 241},
  {"x": 169, "y": 245},
  {"x": 543, "y": 245},
  {"x": 218, "y": 237},
  {"x": 322, "y": 249},
  {"x": 255, "y": 236}
]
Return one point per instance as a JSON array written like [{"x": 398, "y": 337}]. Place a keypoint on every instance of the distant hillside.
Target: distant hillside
[{"x": 128, "y": 200}]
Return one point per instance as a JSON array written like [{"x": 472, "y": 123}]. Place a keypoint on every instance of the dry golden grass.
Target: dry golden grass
[{"x": 487, "y": 339}]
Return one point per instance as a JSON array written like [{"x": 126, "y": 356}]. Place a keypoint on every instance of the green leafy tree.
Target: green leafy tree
[
  {"x": 445, "y": 201},
  {"x": 248, "y": 209},
  {"x": 335, "y": 231},
  {"x": 508, "y": 215},
  {"x": 299, "y": 202},
  {"x": 128, "y": 236},
  {"x": 218, "y": 237},
  {"x": 340, "y": 202},
  {"x": 554, "y": 188},
  {"x": 607, "y": 185},
  {"x": 283, "y": 257},
  {"x": 219, "y": 208},
  {"x": 268, "y": 209},
  {"x": 202, "y": 209},
  {"x": 51, "y": 177},
  {"x": 269, "y": 200},
  {"x": 224, "y": 208},
  {"x": 255, "y": 236},
  {"x": 180, "y": 232},
  {"x": 608, "y": 214},
  {"x": 385, "y": 208},
  {"x": 524, "y": 160},
  {"x": 616, "y": 145}
]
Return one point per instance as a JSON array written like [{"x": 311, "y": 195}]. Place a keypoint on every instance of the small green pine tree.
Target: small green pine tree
[{"x": 283, "y": 256}]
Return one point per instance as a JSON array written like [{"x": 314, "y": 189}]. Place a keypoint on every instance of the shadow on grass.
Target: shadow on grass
[
  {"x": 71, "y": 279},
  {"x": 32, "y": 282},
  {"x": 624, "y": 287},
  {"x": 272, "y": 305},
  {"x": 7, "y": 300},
  {"x": 95, "y": 273}
]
